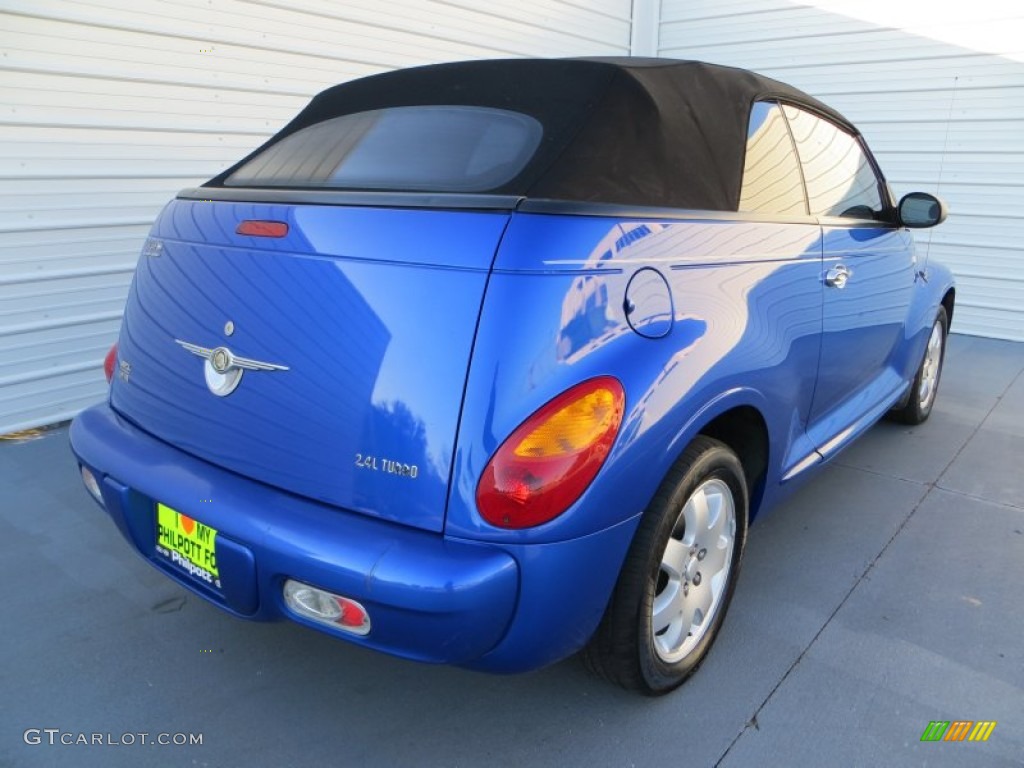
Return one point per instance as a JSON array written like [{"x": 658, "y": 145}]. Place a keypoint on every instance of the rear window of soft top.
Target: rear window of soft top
[{"x": 422, "y": 148}]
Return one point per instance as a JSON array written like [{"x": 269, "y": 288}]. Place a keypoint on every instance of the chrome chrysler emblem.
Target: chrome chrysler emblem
[{"x": 223, "y": 369}]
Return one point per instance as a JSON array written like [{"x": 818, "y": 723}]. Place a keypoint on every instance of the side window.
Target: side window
[
  {"x": 840, "y": 180},
  {"x": 771, "y": 171}
]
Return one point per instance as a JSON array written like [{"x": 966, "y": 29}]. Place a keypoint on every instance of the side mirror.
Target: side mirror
[{"x": 919, "y": 210}]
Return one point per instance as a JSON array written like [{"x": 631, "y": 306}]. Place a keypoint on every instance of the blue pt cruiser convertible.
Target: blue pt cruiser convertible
[{"x": 486, "y": 363}]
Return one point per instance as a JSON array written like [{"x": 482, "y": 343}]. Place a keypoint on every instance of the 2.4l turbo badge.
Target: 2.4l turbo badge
[{"x": 377, "y": 464}]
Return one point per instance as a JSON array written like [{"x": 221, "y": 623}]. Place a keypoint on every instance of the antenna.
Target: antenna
[{"x": 942, "y": 161}]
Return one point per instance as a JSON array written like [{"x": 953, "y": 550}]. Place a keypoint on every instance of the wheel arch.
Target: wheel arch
[
  {"x": 736, "y": 418},
  {"x": 949, "y": 301},
  {"x": 744, "y": 429}
]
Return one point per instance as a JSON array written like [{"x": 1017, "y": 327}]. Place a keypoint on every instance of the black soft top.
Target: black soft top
[{"x": 630, "y": 131}]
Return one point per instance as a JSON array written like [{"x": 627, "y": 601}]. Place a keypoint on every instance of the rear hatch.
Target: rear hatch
[{"x": 329, "y": 361}]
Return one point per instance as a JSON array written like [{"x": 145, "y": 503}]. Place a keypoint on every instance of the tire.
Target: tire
[
  {"x": 641, "y": 642},
  {"x": 921, "y": 397}
]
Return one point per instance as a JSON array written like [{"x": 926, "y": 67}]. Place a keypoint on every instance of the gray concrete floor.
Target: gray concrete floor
[{"x": 885, "y": 595}]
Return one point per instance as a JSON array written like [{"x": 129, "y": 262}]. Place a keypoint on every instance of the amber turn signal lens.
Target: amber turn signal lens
[{"x": 551, "y": 458}]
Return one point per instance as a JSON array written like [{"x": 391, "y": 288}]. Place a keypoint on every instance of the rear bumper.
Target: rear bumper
[{"x": 430, "y": 598}]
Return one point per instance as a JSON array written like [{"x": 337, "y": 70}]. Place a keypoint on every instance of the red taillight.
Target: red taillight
[
  {"x": 551, "y": 458},
  {"x": 109, "y": 362},
  {"x": 256, "y": 228}
]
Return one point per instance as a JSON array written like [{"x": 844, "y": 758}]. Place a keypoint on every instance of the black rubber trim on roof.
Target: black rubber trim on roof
[{"x": 439, "y": 200}]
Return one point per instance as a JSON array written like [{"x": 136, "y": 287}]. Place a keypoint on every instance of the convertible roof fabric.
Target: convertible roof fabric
[{"x": 630, "y": 131}]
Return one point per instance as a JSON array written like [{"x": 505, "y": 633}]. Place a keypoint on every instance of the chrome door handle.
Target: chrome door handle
[{"x": 837, "y": 276}]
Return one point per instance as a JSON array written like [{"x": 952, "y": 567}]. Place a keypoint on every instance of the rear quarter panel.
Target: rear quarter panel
[{"x": 746, "y": 322}]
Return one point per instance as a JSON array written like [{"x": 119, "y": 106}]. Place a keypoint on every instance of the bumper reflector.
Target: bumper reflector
[
  {"x": 326, "y": 607},
  {"x": 91, "y": 484}
]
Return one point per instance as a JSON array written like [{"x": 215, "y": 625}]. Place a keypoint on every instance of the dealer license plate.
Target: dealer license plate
[{"x": 190, "y": 546}]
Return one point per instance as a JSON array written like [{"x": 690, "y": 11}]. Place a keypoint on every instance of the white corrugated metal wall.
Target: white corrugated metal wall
[
  {"x": 938, "y": 91},
  {"x": 111, "y": 106}
]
